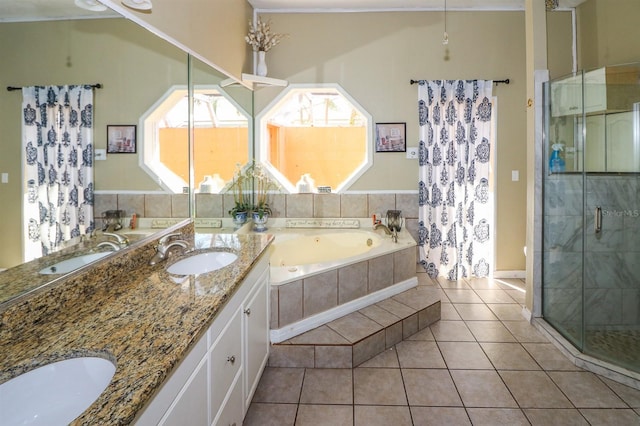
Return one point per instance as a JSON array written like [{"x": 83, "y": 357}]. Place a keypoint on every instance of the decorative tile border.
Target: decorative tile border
[{"x": 323, "y": 223}]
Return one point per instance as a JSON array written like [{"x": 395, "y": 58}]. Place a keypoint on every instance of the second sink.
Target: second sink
[{"x": 202, "y": 263}]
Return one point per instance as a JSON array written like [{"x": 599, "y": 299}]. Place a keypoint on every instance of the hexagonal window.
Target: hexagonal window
[{"x": 314, "y": 136}]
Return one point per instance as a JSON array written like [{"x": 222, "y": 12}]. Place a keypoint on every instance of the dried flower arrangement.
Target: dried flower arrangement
[{"x": 260, "y": 36}]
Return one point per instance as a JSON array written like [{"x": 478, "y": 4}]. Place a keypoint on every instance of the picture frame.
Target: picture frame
[
  {"x": 391, "y": 137},
  {"x": 121, "y": 138}
]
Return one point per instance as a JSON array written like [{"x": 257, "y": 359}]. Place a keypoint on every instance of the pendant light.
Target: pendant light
[{"x": 445, "y": 37}]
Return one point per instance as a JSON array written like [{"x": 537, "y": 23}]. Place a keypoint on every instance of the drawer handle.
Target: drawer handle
[
  {"x": 247, "y": 311},
  {"x": 231, "y": 359}
]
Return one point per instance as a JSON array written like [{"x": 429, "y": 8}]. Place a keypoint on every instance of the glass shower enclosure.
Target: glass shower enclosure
[{"x": 591, "y": 212}]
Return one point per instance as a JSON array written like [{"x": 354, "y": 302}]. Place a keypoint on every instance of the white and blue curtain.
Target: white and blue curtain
[
  {"x": 57, "y": 142},
  {"x": 455, "y": 206}
]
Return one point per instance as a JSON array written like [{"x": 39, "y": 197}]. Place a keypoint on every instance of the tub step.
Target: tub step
[{"x": 359, "y": 336}]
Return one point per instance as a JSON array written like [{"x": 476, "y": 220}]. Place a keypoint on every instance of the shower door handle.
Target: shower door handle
[{"x": 598, "y": 220}]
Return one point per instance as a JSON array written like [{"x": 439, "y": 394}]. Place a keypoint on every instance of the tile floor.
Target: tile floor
[{"x": 482, "y": 364}]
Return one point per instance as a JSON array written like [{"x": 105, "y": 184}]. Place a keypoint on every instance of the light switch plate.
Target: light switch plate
[
  {"x": 5, "y": 178},
  {"x": 515, "y": 175},
  {"x": 412, "y": 153},
  {"x": 100, "y": 154}
]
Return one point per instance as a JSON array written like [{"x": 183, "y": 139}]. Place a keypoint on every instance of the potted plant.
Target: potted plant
[
  {"x": 260, "y": 209},
  {"x": 241, "y": 193}
]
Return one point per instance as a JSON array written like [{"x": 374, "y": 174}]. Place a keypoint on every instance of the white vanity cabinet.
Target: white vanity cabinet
[{"x": 214, "y": 384}]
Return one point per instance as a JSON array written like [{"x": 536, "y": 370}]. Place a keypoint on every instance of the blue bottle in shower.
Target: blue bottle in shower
[{"x": 556, "y": 162}]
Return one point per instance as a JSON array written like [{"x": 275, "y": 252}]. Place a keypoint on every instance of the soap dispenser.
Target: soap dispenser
[{"x": 556, "y": 162}]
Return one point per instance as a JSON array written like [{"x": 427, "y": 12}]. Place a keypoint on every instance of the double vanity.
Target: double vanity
[{"x": 186, "y": 346}]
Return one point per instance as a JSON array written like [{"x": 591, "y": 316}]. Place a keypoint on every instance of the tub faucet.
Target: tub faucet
[
  {"x": 393, "y": 231},
  {"x": 163, "y": 247}
]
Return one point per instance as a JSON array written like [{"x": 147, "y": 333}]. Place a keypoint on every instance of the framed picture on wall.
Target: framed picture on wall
[
  {"x": 391, "y": 137},
  {"x": 121, "y": 139}
]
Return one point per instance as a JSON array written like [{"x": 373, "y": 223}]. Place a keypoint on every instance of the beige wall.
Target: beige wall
[
  {"x": 608, "y": 33},
  {"x": 135, "y": 68},
  {"x": 214, "y": 30},
  {"x": 374, "y": 55},
  {"x": 559, "y": 43}
]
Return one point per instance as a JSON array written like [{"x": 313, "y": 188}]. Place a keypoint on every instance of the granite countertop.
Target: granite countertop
[{"x": 145, "y": 321}]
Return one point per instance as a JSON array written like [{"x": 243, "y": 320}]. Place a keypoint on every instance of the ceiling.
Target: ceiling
[{"x": 35, "y": 10}]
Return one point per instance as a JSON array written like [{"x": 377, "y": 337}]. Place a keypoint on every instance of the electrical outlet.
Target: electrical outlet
[
  {"x": 100, "y": 154},
  {"x": 412, "y": 153}
]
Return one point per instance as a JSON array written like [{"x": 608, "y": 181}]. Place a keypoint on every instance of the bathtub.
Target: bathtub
[{"x": 318, "y": 274}]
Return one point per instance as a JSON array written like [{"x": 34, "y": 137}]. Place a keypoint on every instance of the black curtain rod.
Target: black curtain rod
[
  {"x": 93, "y": 86},
  {"x": 505, "y": 81}
]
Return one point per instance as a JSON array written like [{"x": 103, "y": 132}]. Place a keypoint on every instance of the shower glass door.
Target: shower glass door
[{"x": 591, "y": 223}]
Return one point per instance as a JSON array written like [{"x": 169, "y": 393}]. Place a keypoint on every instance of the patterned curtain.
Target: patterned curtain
[
  {"x": 455, "y": 210},
  {"x": 57, "y": 139}
]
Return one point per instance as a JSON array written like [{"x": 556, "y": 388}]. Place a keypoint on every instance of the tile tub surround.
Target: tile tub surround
[{"x": 128, "y": 312}]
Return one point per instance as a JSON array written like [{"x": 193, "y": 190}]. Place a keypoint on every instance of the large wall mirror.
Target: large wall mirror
[{"x": 136, "y": 70}]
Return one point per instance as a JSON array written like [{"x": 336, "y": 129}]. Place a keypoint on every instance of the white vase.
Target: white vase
[{"x": 261, "y": 69}]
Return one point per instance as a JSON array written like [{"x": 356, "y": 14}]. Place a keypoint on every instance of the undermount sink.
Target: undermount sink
[
  {"x": 56, "y": 393},
  {"x": 72, "y": 264},
  {"x": 202, "y": 263}
]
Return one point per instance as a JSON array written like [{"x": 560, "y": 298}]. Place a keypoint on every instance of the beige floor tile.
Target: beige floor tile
[
  {"x": 494, "y": 296},
  {"x": 507, "y": 283},
  {"x": 497, "y": 416},
  {"x": 419, "y": 354},
  {"x": 324, "y": 415},
  {"x": 517, "y": 295},
  {"x": 464, "y": 355},
  {"x": 482, "y": 388},
  {"x": 629, "y": 395},
  {"x": 322, "y": 335},
  {"x": 378, "y": 386},
  {"x": 424, "y": 334},
  {"x": 419, "y": 297},
  {"x": 387, "y": 359},
  {"x": 549, "y": 357},
  {"x": 448, "y": 312},
  {"x": 509, "y": 356},
  {"x": 474, "y": 312},
  {"x": 379, "y": 315},
  {"x": 525, "y": 332},
  {"x": 460, "y": 284},
  {"x": 490, "y": 331},
  {"x": 367, "y": 415},
  {"x": 607, "y": 417},
  {"x": 396, "y": 308},
  {"x": 279, "y": 385},
  {"x": 482, "y": 283},
  {"x": 327, "y": 386},
  {"x": 333, "y": 356},
  {"x": 263, "y": 414},
  {"x": 585, "y": 390},
  {"x": 555, "y": 416},
  {"x": 534, "y": 389},
  {"x": 451, "y": 331},
  {"x": 507, "y": 312},
  {"x": 429, "y": 387},
  {"x": 437, "y": 416},
  {"x": 462, "y": 296},
  {"x": 354, "y": 327},
  {"x": 292, "y": 356}
]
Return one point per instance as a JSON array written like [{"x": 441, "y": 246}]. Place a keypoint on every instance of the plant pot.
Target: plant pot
[
  {"x": 260, "y": 223},
  {"x": 239, "y": 219}
]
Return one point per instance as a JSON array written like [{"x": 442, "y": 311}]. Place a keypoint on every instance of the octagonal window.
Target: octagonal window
[
  {"x": 220, "y": 132},
  {"x": 314, "y": 136}
]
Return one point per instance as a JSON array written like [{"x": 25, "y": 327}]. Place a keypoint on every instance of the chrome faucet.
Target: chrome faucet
[
  {"x": 163, "y": 247},
  {"x": 121, "y": 240},
  {"x": 393, "y": 231},
  {"x": 111, "y": 244}
]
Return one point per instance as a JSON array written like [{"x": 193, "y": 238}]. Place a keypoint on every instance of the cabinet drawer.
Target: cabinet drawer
[
  {"x": 225, "y": 360},
  {"x": 231, "y": 413}
]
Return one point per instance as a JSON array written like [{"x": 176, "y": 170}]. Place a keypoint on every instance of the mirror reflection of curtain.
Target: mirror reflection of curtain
[
  {"x": 455, "y": 206},
  {"x": 57, "y": 142}
]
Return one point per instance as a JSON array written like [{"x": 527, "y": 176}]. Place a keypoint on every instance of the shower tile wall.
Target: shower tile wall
[{"x": 611, "y": 267}]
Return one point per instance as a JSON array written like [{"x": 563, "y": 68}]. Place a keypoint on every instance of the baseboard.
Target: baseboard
[{"x": 510, "y": 274}]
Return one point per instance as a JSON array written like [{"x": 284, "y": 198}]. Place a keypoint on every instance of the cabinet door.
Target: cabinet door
[
  {"x": 190, "y": 407},
  {"x": 231, "y": 414},
  {"x": 256, "y": 318},
  {"x": 226, "y": 360}
]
